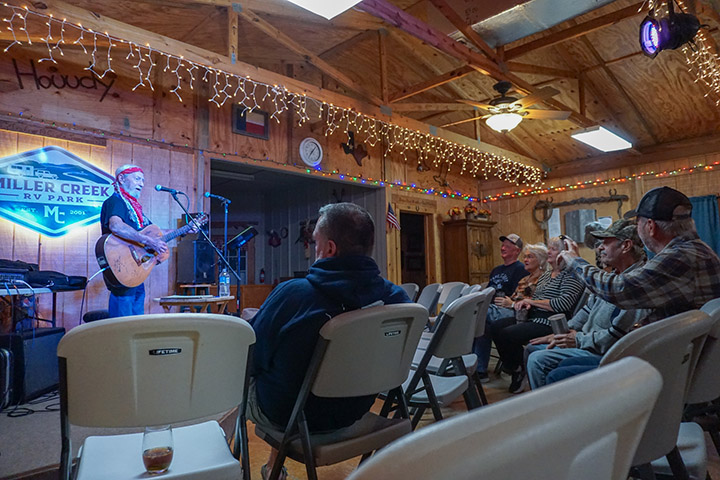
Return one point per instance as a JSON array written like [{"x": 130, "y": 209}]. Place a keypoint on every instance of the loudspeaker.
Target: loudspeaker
[
  {"x": 34, "y": 368},
  {"x": 195, "y": 261}
]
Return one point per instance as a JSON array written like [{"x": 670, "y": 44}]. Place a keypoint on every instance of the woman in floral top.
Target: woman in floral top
[{"x": 535, "y": 259}]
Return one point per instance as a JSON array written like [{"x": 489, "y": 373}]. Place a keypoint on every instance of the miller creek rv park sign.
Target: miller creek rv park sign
[{"x": 51, "y": 191}]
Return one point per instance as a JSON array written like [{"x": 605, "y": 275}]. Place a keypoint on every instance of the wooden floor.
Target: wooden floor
[{"x": 496, "y": 390}]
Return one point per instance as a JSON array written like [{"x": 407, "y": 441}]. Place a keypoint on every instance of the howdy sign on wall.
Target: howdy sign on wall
[{"x": 52, "y": 191}]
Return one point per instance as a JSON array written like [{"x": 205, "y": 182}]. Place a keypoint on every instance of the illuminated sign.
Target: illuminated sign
[{"x": 52, "y": 191}]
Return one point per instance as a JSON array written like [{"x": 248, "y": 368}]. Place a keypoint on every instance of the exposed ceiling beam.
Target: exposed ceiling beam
[
  {"x": 232, "y": 34},
  {"x": 349, "y": 43},
  {"x": 432, "y": 83},
  {"x": 460, "y": 122},
  {"x": 575, "y": 31},
  {"x": 415, "y": 27},
  {"x": 618, "y": 86},
  {"x": 590, "y": 88},
  {"x": 654, "y": 154},
  {"x": 430, "y": 107},
  {"x": 518, "y": 67},
  {"x": 310, "y": 57},
  {"x": 382, "y": 53},
  {"x": 472, "y": 36},
  {"x": 198, "y": 55},
  {"x": 404, "y": 21}
]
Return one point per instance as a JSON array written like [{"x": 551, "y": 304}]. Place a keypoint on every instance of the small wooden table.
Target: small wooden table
[
  {"x": 194, "y": 288},
  {"x": 201, "y": 303}
]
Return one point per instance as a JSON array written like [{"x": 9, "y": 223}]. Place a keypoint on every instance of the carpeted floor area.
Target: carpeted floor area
[{"x": 30, "y": 443}]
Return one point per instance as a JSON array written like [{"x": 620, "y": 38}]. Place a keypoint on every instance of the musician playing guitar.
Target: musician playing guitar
[{"x": 122, "y": 216}]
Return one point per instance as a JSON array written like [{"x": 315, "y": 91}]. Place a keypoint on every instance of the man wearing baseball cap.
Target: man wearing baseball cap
[
  {"x": 504, "y": 278},
  {"x": 683, "y": 275},
  {"x": 599, "y": 324}
]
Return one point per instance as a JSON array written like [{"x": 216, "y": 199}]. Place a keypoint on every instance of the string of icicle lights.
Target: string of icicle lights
[
  {"x": 101, "y": 47},
  {"x": 699, "y": 56}
]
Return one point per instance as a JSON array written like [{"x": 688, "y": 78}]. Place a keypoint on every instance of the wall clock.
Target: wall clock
[{"x": 311, "y": 152}]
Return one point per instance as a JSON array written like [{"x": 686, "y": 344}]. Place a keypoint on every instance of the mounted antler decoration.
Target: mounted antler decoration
[
  {"x": 357, "y": 151},
  {"x": 546, "y": 206}
]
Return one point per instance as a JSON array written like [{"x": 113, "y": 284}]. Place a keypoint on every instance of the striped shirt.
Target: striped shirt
[
  {"x": 563, "y": 291},
  {"x": 683, "y": 276}
]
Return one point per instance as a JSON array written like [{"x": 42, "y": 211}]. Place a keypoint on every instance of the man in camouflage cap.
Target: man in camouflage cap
[
  {"x": 599, "y": 324},
  {"x": 683, "y": 275}
]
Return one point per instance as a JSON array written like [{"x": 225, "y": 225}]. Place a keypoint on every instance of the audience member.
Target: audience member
[
  {"x": 344, "y": 277},
  {"x": 683, "y": 275},
  {"x": 535, "y": 261},
  {"x": 557, "y": 292},
  {"x": 599, "y": 324},
  {"x": 504, "y": 278}
]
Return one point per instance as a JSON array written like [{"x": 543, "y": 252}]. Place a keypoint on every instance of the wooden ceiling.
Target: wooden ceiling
[{"x": 594, "y": 60}]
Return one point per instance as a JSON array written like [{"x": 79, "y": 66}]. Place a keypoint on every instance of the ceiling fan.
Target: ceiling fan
[{"x": 505, "y": 112}]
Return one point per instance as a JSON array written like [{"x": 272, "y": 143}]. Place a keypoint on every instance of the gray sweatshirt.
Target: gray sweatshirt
[{"x": 599, "y": 324}]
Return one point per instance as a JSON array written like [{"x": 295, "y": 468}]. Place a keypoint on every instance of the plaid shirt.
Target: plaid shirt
[{"x": 683, "y": 276}]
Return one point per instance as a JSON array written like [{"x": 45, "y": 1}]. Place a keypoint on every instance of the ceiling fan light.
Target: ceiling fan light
[
  {"x": 503, "y": 122},
  {"x": 325, "y": 8},
  {"x": 602, "y": 139}
]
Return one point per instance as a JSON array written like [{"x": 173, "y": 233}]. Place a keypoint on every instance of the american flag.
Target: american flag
[{"x": 392, "y": 220}]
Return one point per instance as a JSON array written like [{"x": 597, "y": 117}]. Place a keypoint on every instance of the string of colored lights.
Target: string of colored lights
[
  {"x": 699, "y": 168},
  {"x": 246, "y": 92}
]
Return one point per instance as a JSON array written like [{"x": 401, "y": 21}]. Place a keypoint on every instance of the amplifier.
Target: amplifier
[
  {"x": 35, "y": 366},
  {"x": 12, "y": 277}
]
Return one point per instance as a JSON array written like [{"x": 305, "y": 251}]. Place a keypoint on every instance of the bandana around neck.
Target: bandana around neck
[{"x": 132, "y": 202}]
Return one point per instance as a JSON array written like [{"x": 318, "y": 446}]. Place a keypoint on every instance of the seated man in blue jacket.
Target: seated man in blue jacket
[{"x": 344, "y": 277}]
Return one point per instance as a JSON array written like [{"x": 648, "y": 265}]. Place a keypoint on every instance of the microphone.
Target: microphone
[
  {"x": 222, "y": 199},
  {"x": 172, "y": 191}
]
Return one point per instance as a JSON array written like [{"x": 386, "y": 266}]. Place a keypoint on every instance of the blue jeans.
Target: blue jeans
[
  {"x": 125, "y": 305},
  {"x": 540, "y": 363},
  {"x": 571, "y": 367},
  {"x": 483, "y": 344}
]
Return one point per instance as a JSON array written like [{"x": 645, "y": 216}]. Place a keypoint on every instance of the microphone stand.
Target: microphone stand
[
  {"x": 225, "y": 251},
  {"x": 205, "y": 236}
]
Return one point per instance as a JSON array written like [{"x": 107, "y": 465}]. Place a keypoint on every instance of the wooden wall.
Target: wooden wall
[
  {"x": 111, "y": 124},
  {"x": 148, "y": 119},
  {"x": 515, "y": 215}
]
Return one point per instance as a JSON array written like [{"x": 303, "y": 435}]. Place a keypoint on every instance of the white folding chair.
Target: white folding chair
[
  {"x": 362, "y": 352},
  {"x": 672, "y": 346},
  {"x": 412, "y": 290},
  {"x": 586, "y": 427},
  {"x": 452, "y": 339},
  {"x": 443, "y": 366},
  {"x": 150, "y": 370},
  {"x": 429, "y": 297},
  {"x": 450, "y": 292}
]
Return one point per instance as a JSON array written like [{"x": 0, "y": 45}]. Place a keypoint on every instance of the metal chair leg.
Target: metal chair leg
[
  {"x": 643, "y": 472},
  {"x": 677, "y": 465}
]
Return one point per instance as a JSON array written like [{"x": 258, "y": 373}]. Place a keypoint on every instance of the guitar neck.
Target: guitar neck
[{"x": 176, "y": 233}]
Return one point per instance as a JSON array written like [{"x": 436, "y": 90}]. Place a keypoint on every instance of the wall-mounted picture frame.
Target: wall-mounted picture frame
[{"x": 250, "y": 123}]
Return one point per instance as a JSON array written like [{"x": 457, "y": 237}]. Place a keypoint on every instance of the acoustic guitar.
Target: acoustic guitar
[{"x": 128, "y": 264}]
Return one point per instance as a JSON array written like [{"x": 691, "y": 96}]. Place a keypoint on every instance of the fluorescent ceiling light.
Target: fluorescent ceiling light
[
  {"x": 602, "y": 139},
  {"x": 503, "y": 122},
  {"x": 326, "y": 8}
]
